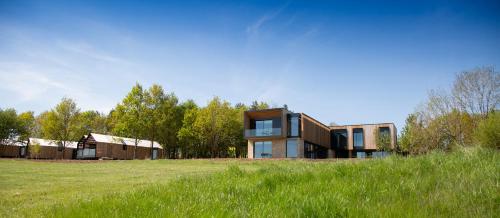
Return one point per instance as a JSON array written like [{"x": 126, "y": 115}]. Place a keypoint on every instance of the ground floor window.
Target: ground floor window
[
  {"x": 263, "y": 149},
  {"x": 291, "y": 148},
  {"x": 380, "y": 154},
  {"x": 314, "y": 151}
]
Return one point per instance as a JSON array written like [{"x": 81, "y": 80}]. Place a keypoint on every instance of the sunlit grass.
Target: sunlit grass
[{"x": 461, "y": 184}]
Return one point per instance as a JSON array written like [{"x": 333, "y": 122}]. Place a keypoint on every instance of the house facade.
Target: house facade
[
  {"x": 12, "y": 149},
  {"x": 279, "y": 133},
  {"x": 99, "y": 146},
  {"x": 50, "y": 149}
]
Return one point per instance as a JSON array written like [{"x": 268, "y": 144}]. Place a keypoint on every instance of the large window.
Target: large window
[
  {"x": 339, "y": 138},
  {"x": 291, "y": 148},
  {"x": 263, "y": 127},
  {"x": 385, "y": 131},
  {"x": 358, "y": 138},
  {"x": 293, "y": 125},
  {"x": 263, "y": 149}
]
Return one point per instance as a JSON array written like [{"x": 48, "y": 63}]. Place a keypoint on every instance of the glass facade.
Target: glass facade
[
  {"x": 291, "y": 148},
  {"x": 358, "y": 138},
  {"x": 339, "y": 138},
  {"x": 263, "y": 127},
  {"x": 263, "y": 149},
  {"x": 385, "y": 131},
  {"x": 293, "y": 125}
]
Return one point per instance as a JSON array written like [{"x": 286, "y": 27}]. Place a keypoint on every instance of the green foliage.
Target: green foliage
[
  {"x": 457, "y": 184},
  {"x": 34, "y": 150},
  {"x": 382, "y": 140},
  {"x": 488, "y": 132},
  {"x": 259, "y": 105},
  {"x": 93, "y": 121},
  {"x": 9, "y": 126},
  {"x": 26, "y": 125},
  {"x": 62, "y": 122}
]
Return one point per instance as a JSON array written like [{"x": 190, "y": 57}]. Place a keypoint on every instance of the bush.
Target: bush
[{"x": 488, "y": 132}]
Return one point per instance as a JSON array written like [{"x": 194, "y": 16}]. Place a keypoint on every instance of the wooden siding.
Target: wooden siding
[
  {"x": 368, "y": 134},
  {"x": 9, "y": 151},
  {"x": 49, "y": 152},
  {"x": 315, "y": 132}
]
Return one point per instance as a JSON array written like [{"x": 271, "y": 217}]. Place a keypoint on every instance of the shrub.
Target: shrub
[{"x": 488, "y": 132}]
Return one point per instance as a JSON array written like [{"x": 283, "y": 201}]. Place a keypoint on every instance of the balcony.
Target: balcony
[{"x": 263, "y": 132}]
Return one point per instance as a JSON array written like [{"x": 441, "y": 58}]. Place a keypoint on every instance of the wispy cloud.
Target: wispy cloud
[
  {"x": 26, "y": 83},
  {"x": 87, "y": 50},
  {"x": 255, "y": 27}
]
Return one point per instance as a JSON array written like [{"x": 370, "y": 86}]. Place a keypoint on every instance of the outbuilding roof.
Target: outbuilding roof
[
  {"x": 123, "y": 141},
  {"x": 13, "y": 143},
  {"x": 51, "y": 143}
]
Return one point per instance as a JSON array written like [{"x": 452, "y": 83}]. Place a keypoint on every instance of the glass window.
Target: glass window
[
  {"x": 360, "y": 154},
  {"x": 291, "y": 148},
  {"x": 358, "y": 137},
  {"x": 385, "y": 131},
  {"x": 263, "y": 127},
  {"x": 263, "y": 149},
  {"x": 293, "y": 125},
  {"x": 339, "y": 138}
]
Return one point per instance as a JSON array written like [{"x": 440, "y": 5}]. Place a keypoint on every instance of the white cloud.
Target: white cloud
[
  {"x": 255, "y": 27},
  {"x": 87, "y": 50}
]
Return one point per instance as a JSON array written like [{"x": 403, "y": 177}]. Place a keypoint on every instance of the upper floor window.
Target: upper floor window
[
  {"x": 263, "y": 127},
  {"x": 385, "y": 131},
  {"x": 358, "y": 138},
  {"x": 293, "y": 125}
]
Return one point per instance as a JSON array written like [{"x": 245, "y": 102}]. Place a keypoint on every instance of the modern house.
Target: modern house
[
  {"x": 99, "y": 146},
  {"x": 280, "y": 133},
  {"x": 50, "y": 149},
  {"x": 13, "y": 149}
]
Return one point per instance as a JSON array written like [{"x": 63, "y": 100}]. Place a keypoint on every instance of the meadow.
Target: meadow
[{"x": 464, "y": 183}]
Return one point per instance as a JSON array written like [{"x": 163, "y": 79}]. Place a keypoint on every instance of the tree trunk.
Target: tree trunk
[{"x": 135, "y": 147}]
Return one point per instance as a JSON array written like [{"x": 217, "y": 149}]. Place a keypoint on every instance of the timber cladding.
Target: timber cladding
[
  {"x": 315, "y": 132},
  {"x": 50, "y": 152},
  {"x": 10, "y": 151}
]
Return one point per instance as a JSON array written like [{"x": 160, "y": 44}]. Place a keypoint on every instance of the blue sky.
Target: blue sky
[{"x": 355, "y": 62}]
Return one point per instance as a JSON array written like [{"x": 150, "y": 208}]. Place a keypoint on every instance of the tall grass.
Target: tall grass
[{"x": 461, "y": 184}]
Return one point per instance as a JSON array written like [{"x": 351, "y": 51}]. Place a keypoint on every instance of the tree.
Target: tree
[
  {"x": 61, "y": 123},
  {"x": 129, "y": 116},
  {"x": 34, "y": 150},
  {"x": 259, "y": 105},
  {"x": 188, "y": 135},
  {"x": 27, "y": 125},
  {"x": 488, "y": 132},
  {"x": 477, "y": 91},
  {"x": 93, "y": 121},
  {"x": 382, "y": 140},
  {"x": 9, "y": 126}
]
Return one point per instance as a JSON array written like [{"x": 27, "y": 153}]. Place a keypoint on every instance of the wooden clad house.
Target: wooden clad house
[
  {"x": 280, "y": 133},
  {"x": 12, "y": 148},
  {"x": 99, "y": 146},
  {"x": 50, "y": 149}
]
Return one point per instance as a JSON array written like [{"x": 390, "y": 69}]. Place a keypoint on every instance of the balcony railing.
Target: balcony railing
[{"x": 262, "y": 132}]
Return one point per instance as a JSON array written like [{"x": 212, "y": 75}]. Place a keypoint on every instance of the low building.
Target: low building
[
  {"x": 50, "y": 149},
  {"x": 360, "y": 140},
  {"x": 280, "y": 133},
  {"x": 99, "y": 146},
  {"x": 12, "y": 149}
]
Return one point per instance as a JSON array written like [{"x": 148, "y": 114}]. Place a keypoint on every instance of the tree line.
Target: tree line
[
  {"x": 464, "y": 115},
  {"x": 184, "y": 129}
]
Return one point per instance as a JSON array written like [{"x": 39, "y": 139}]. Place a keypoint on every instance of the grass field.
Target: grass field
[{"x": 461, "y": 184}]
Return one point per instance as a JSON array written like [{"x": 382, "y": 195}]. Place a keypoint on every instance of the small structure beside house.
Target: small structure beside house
[
  {"x": 50, "y": 149},
  {"x": 12, "y": 149},
  {"x": 100, "y": 146}
]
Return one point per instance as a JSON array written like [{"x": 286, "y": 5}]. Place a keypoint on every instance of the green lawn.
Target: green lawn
[{"x": 461, "y": 184}]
